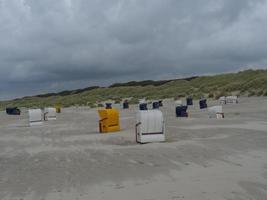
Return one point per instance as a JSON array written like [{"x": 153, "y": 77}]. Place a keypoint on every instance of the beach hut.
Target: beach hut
[
  {"x": 35, "y": 117},
  {"x": 150, "y": 126},
  {"x": 109, "y": 120},
  {"x": 125, "y": 104},
  {"x": 58, "y": 107},
  {"x": 231, "y": 99},
  {"x": 108, "y": 105},
  {"x": 50, "y": 114},
  {"x": 189, "y": 101},
  {"x": 13, "y": 111},
  {"x": 181, "y": 111},
  {"x": 216, "y": 112},
  {"x": 203, "y": 103},
  {"x": 222, "y": 100},
  {"x": 155, "y": 104},
  {"x": 142, "y": 104}
]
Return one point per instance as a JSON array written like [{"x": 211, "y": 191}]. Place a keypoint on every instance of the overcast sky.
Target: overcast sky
[{"x": 53, "y": 45}]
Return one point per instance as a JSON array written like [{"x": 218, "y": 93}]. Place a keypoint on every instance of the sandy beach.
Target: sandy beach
[{"x": 202, "y": 159}]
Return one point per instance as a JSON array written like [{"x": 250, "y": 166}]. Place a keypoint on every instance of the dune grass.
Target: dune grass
[{"x": 246, "y": 83}]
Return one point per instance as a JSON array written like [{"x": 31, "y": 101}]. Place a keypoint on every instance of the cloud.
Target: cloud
[{"x": 54, "y": 45}]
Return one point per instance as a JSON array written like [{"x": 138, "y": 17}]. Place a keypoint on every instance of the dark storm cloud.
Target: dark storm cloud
[{"x": 51, "y": 45}]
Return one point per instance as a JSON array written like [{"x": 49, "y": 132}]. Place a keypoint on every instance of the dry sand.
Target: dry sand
[{"x": 202, "y": 159}]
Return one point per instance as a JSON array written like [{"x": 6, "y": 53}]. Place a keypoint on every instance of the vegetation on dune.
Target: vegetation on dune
[{"x": 247, "y": 83}]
